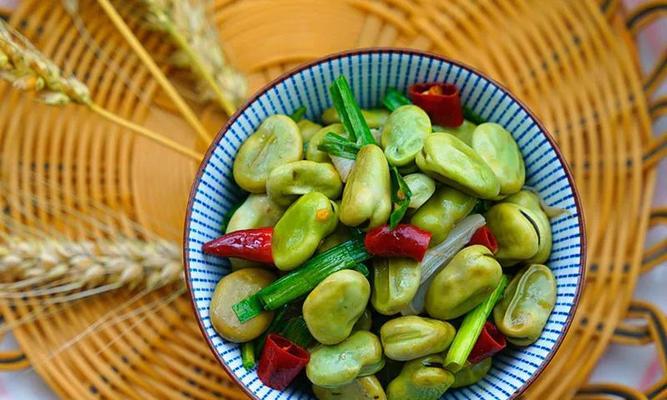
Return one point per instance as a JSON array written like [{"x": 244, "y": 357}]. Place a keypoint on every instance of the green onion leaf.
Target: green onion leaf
[
  {"x": 337, "y": 145},
  {"x": 470, "y": 329},
  {"x": 472, "y": 116},
  {"x": 400, "y": 196},
  {"x": 296, "y": 331},
  {"x": 302, "y": 280},
  {"x": 349, "y": 112},
  {"x": 393, "y": 99},
  {"x": 298, "y": 114},
  {"x": 248, "y": 355}
]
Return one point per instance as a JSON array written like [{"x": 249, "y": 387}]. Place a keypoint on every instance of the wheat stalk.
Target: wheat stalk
[
  {"x": 41, "y": 267},
  {"x": 185, "y": 23},
  {"x": 29, "y": 70}
]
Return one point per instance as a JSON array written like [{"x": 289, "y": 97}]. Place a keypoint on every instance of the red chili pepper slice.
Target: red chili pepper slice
[
  {"x": 249, "y": 244},
  {"x": 403, "y": 241},
  {"x": 441, "y": 101},
  {"x": 485, "y": 237},
  {"x": 490, "y": 342},
  {"x": 281, "y": 362}
]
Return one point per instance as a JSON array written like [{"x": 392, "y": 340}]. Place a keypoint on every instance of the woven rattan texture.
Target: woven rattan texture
[{"x": 572, "y": 61}]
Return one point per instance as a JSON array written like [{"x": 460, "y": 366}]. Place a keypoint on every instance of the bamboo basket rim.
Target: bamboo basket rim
[{"x": 382, "y": 50}]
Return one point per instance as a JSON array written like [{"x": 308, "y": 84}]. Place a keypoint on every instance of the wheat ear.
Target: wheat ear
[
  {"x": 185, "y": 23},
  {"x": 29, "y": 70}
]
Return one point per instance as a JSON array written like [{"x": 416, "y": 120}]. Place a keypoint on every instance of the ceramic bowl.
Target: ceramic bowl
[{"x": 370, "y": 73}]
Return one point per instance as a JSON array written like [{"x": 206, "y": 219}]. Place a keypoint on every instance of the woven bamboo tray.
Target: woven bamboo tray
[{"x": 572, "y": 61}]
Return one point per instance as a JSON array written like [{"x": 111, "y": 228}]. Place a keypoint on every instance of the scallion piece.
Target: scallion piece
[
  {"x": 337, "y": 145},
  {"x": 394, "y": 99},
  {"x": 400, "y": 196},
  {"x": 296, "y": 331},
  {"x": 470, "y": 329},
  {"x": 248, "y": 355},
  {"x": 298, "y": 114},
  {"x": 349, "y": 112},
  {"x": 301, "y": 281},
  {"x": 472, "y": 116}
]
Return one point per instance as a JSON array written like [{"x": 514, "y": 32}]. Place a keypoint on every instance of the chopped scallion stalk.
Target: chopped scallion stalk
[
  {"x": 337, "y": 145},
  {"x": 248, "y": 355},
  {"x": 296, "y": 331},
  {"x": 298, "y": 114},
  {"x": 349, "y": 112},
  {"x": 470, "y": 328},
  {"x": 394, "y": 99},
  {"x": 472, "y": 116},
  {"x": 400, "y": 196}
]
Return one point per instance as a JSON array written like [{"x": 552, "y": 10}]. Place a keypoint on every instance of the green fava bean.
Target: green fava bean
[
  {"x": 231, "y": 289},
  {"x": 315, "y": 154},
  {"x": 357, "y": 356},
  {"x": 410, "y": 337},
  {"x": 375, "y": 118},
  {"x": 465, "y": 128},
  {"x": 365, "y": 388},
  {"x": 422, "y": 188},
  {"x": 530, "y": 201},
  {"x": 300, "y": 230},
  {"x": 526, "y": 306},
  {"x": 308, "y": 129},
  {"x": 395, "y": 283},
  {"x": 472, "y": 373},
  {"x": 449, "y": 160},
  {"x": 498, "y": 149},
  {"x": 335, "y": 305},
  {"x": 465, "y": 282},
  {"x": 442, "y": 212},
  {"x": 340, "y": 235},
  {"x": 421, "y": 379},
  {"x": 277, "y": 141},
  {"x": 403, "y": 134},
  {"x": 289, "y": 181},
  {"x": 257, "y": 211},
  {"x": 367, "y": 193},
  {"x": 516, "y": 230}
]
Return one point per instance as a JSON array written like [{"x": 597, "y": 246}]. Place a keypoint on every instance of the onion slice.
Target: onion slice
[
  {"x": 343, "y": 166},
  {"x": 437, "y": 257},
  {"x": 551, "y": 212}
]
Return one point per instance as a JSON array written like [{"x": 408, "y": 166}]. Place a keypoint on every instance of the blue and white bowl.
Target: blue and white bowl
[{"x": 370, "y": 73}]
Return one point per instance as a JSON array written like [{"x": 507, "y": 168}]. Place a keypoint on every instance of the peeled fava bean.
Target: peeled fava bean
[
  {"x": 442, "y": 212},
  {"x": 403, "y": 134},
  {"x": 498, "y": 149},
  {"x": 410, "y": 337},
  {"x": 421, "y": 379},
  {"x": 367, "y": 193},
  {"x": 315, "y": 154},
  {"x": 257, "y": 211},
  {"x": 289, "y": 181},
  {"x": 464, "y": 283},
  {"x": 357, "y": 356},
  {"x": 526, "y": 306},
  {"x": 422, "y": 187},
  {"x": 452, "y": 162},
  {"x": 308, "y": 129},
  {"x": 517, "y": 231},
  {"x": 530, "y": 201},
  {"x": 230, "y": 290},
  {"x": 335, "y": 305},
  {"x": 395, "y": 282},
  {"x": 465, "y": 128},
  {"x": 299, "y": 231},
  {"x": 473, "y": 373},
  {"x": 365, "y": 388},
  {"x": 375, "y": 118},
  {"x": 277, "y": 141}
]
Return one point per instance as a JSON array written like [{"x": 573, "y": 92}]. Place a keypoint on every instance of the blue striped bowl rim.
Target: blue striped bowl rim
[{"x": 370, "y": 72}]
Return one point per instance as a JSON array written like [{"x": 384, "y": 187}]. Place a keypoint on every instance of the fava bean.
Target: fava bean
[
  {"x": 289, "y": 181},
  {"x": 410, "y": 337}
]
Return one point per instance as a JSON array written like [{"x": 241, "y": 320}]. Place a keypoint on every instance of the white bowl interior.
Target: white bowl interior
[{"x": 370, "y": 74}]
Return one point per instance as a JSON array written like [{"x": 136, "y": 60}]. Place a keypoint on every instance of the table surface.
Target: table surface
[{"x": 613, "y": 367}]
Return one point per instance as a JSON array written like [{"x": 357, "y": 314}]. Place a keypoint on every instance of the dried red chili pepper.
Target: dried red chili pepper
[
  {"x": 249, "y": 244},
  {"x": 485, "y": 237},
  {"x": 403, "y": 241},
  {"x": 489, "y": 342},
  {"x": 281, "y": 362},
  {"x": 441, "y": 101}
]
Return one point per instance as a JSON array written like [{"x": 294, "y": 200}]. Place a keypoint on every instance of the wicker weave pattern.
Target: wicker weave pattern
[{"x": 571, "y": 61}]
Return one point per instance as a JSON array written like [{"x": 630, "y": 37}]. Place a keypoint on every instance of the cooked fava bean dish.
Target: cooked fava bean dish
[{"x": 383, "y": 253}]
